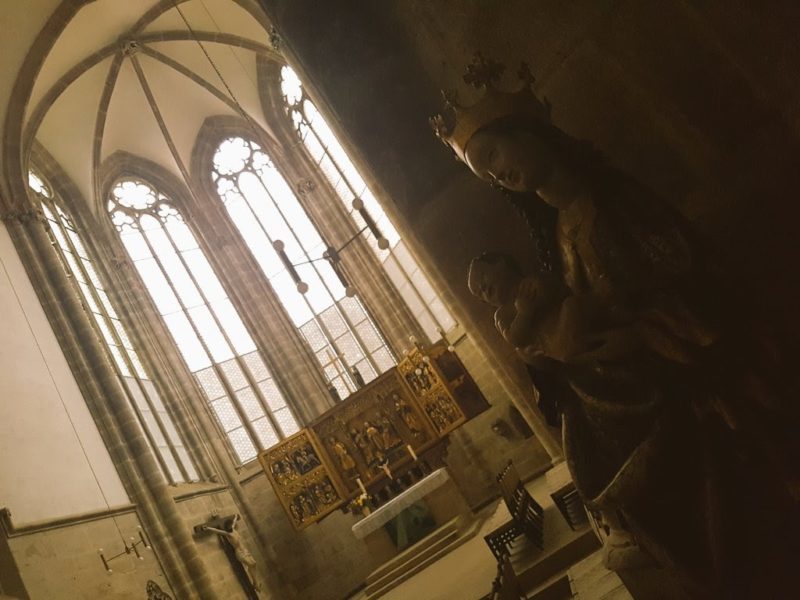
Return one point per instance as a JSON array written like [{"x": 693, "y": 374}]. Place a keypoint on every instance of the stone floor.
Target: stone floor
[{"x": 467, "y": 572}]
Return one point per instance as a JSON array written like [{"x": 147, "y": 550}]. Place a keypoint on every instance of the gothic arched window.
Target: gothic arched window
[
  {"x": 271, "y": 220},
  {"x": 326, "y": 151},
  {"x": 242, "y": 393},
  {"x": 156, "y": 422}
]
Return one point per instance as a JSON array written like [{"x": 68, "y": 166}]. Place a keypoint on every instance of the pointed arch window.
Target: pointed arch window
[
  {"x": 266, "y": 211},
  {"x": 326, "y": 151},
  {"x": 240, "y": 390},
  {"x": 154, "y": 419}
]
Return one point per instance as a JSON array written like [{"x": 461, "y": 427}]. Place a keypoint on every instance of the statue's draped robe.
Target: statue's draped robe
[{"x": 639, "y": 434}]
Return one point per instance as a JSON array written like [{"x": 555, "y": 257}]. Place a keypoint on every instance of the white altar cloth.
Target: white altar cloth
[{"x": 399, "y": 503}]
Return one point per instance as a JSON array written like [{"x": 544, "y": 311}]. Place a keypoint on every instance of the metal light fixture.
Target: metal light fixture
[{"x": 332, "y": 255}]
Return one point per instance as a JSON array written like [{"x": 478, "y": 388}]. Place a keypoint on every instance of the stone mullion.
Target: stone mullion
[
  {"x": 97, "y": 379},
  {"x": 288, "y": 357},
  {"x": 124, "y": 353},
  {"x": 132, "y": 308}
]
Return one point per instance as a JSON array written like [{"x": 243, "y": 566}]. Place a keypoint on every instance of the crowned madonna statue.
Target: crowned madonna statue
[{"x": 627, "y": 319}]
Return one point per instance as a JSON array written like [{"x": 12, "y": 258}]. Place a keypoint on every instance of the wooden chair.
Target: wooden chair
[
  {"x": 571, "y": 506},
  {"x": 527, "y": 515},
  {"x": 506, "y": 585}
]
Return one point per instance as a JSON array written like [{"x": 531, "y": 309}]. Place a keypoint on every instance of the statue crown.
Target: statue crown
[{"x": 495, "y": 104}]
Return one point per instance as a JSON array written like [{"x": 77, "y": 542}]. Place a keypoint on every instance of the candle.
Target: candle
[
  {"x": 411, "y": 451},
  {"x": 361, "y": 485}
]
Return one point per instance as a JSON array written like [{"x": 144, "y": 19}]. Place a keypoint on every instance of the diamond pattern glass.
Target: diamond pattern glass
[
  {"x": 353, "y": 309},
  {"x": 333, "y": 322},
  {"x": 226, "y": 414},
  {"x": 210, "y": 383},
  {"x": 383, "y": 359},
  {"x": 272, "y": 394},
  {"x": 256, "y": 366},
  {"x": 369, "y": 336},
  {"x": 266, "y": 433},
  {"x": 286, "y": 421},
  {"x": 242, "y": 445},
  {"x": 314, "y": 336},
  {"x": 350, "y": 348},
  {"x": 234, "y": 374},
  {"x": 250, "y": 404}
]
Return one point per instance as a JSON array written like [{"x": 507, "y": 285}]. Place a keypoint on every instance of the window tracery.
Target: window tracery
[
  {"x": 330, "y": 316},
  {"x": 328, "y": 154},
  {"x": 157, "y": 424},
  {"x": 207, "y": 329}
]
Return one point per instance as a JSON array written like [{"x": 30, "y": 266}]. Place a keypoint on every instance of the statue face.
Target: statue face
[
  {"x": 494, "y": 282},
  {"x": 517, "y": 160}
]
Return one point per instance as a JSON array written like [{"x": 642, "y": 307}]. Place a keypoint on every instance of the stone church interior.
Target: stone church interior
[{"x": 449, "y": 300}]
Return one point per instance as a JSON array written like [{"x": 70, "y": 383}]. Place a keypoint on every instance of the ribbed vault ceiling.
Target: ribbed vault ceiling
[{"x": 90, "y": 100}]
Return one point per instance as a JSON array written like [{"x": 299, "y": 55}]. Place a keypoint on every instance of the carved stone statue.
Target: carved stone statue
[
  {"x": 241, "y": 552},
  {"x": 626, "y": 314}
]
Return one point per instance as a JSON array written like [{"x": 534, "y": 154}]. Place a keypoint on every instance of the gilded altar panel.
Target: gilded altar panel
[
  {"x": 302, "y": 478},
  {"x": 427, "y": 386}
]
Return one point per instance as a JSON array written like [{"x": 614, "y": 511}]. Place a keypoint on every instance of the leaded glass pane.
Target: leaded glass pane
[
  {"x": 210, "y": 332},
  {"x": 258, "y": 369},
  {"x": 349, "y": 348},
  {"x": 210, "y": 383},
  {"x": 334, "y": 322},
  {"x": 250, "y": 404},
  {"x": 152, "y": 427},
  {"x": 383, "y": 359},
  {"x": 286, "y": 421},
  {"x": 369, "y": 336},
  {"x": 242, "y": 445},
  {"x": 226, "y": 414},
  {"x": 188, "y": 343},
  {"x": 266, "y": 432},
  {"x": 271, "y": 393},
  {"x": 314, "y": 336},
  {"x": 234, "y": 374},
  {"x": 366, "y": 370}
]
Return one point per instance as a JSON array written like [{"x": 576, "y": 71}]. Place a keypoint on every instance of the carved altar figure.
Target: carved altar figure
[
  {"x": 373, "y": 436},
  {"x": 345, "y": 460},
  {"x": 389, "y": 437},
  {"x": 408, "y": 416},
  {"x": 652, "y": 429},
  {"x": 240, "y": 550},
  {"x": 363, "y": 445}
]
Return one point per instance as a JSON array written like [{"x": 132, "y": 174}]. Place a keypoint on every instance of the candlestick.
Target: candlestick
[
  {"x": 411, "y": 452},
  {"x": 361, "y": 485}
]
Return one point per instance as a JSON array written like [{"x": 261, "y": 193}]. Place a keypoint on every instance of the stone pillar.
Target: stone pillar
[{"x": 138, "y": 468}]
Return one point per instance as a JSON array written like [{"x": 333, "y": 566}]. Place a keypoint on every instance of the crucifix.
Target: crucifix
[{"x": 235, "y": 548}]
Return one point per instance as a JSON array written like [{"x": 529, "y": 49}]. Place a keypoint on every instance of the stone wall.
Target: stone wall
[{"x": 61, "y": 561}]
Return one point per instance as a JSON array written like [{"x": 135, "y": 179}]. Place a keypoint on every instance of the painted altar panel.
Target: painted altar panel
[
  {"x": 302, "y": 479},
  {"x": 427, "y": 386}
]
